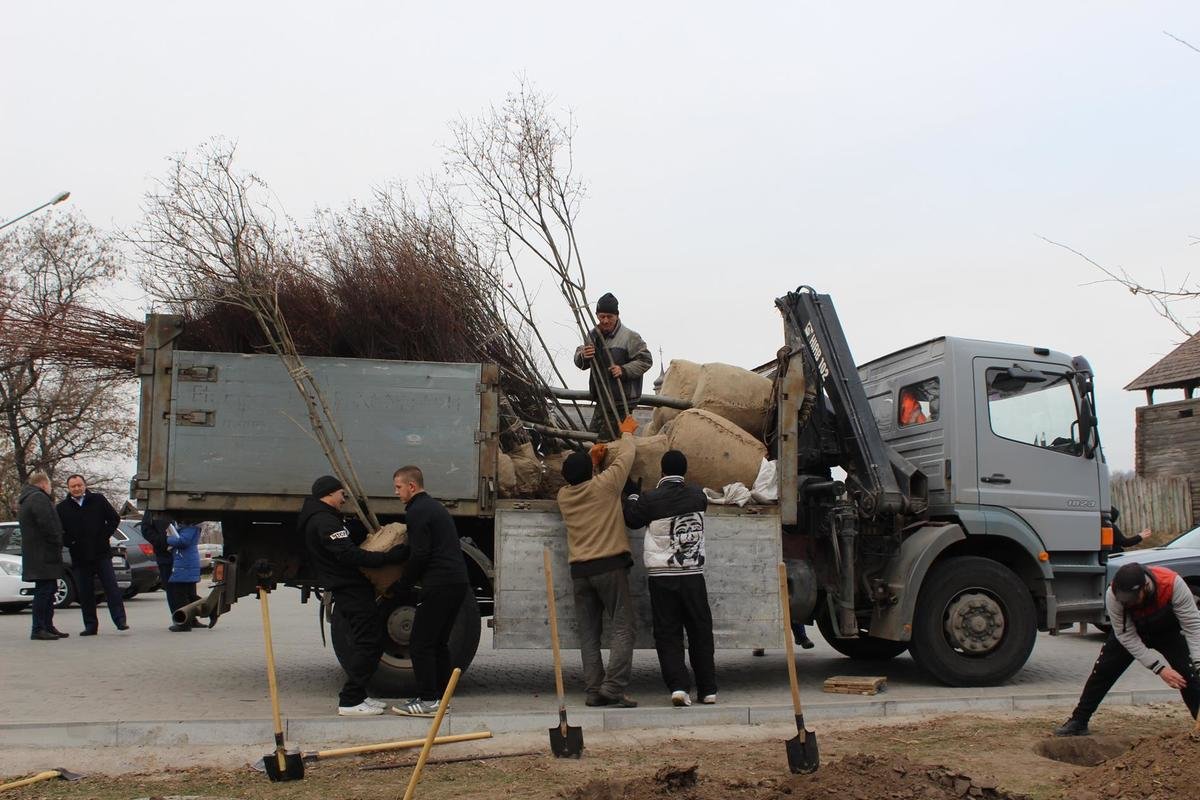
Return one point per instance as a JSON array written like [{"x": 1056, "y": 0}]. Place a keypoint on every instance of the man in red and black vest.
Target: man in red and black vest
[{"x": 1154, "y": 620}]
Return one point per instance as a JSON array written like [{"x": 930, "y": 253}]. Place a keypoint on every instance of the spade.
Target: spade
[
  {"x": 565, "y": 740},
  {"x": 802, "y": 748}
]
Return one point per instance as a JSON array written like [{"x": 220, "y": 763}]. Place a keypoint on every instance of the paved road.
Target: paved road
[{"x": 149, "y": 673}]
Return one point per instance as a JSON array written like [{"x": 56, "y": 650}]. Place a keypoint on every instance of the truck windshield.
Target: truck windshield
[{"x": 1042, "y": 414}]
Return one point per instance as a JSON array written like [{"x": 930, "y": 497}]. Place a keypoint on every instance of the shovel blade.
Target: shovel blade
[
  {"x": 568, "y": 744},
  {"x": 802, "y": 753},
  {"x": 293, "y": 766}
]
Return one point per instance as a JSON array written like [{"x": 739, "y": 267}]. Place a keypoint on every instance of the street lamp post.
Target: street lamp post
[{"x": 58, "y": 198}]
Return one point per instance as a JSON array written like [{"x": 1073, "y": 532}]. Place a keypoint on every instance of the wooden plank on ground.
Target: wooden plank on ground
[{"x": 855, "y": 684}]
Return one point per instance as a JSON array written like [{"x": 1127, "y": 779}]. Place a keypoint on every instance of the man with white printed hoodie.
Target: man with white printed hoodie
[{"x": 673, "y": 551}]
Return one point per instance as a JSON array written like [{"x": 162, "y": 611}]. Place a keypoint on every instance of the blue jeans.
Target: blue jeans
[{"x": 43, "y": 605}]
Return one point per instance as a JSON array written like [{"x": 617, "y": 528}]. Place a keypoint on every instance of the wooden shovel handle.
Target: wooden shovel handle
[
  {"x": 272, "y": 686},
  {"x": 41, "y": 776},
  {"x": 432, "y": 736},
  {"x": 558, "y": 679},
  {"x": 786, "y": 607}
]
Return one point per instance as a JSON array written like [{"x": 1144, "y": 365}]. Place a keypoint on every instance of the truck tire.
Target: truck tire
[
  {"x": 974, "y": 624},
  {"x": 864, "y": 648},
  {"x": 394, "y": 678}
]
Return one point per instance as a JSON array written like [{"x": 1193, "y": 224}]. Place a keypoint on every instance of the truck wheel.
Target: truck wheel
[
  {"x": 975, "y": 623},
  {"x": 64, "y": 591},
  {"x": 394, "y": 677},
  {"x": 864, "y": 648}
]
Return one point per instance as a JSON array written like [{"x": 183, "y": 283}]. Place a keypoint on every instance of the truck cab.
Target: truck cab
[{"x": 1006, "y": 436}]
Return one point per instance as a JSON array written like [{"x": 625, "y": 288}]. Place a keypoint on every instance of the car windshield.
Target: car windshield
[
  {"x": 1189, "y": 539},
  {"x": 10, "y": 540}
]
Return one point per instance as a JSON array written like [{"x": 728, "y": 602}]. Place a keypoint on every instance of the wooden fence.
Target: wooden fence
[{"x": 1164, "y": 505}]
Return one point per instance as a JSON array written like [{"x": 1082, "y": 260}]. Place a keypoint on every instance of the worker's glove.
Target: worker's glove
[
  {"x": 628, "y": 425},
  {"x": 598, "y": 452},
  {"x": 398, "y": 554}
]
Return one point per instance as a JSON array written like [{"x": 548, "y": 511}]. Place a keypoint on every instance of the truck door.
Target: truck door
[{"x": 1029, "y": 454}]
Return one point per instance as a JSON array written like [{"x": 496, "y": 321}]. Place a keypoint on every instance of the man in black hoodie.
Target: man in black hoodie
[
  {"x": 338, "y": 562},
  {"x": 436, "y": 564}
]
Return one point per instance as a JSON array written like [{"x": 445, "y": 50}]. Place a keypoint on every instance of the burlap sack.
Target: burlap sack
[
  {"x": 553, "y": 479},
  {"x": 381, "y": 541},
  {"x": 718, "y": 452},
  {"x": 506, "y": 475},
  {"x": 528, "y": 470},
  {"x": 738, "y": 395},
  {"x": 647, "y": 459},
  {"x": 679, "y": 382}
]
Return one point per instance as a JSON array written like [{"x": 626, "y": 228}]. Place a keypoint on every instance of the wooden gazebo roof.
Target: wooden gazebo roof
[{"x": 1179, "y": 369}]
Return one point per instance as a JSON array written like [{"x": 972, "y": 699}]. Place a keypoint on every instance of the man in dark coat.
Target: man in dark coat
[
  {"x": 617, "y": 357},
  {"x": 41, "y": 553},
  {"x": 338, "y": 562},
  {"x": 436, "y": 564},
  {"x": 154, "y": 531},
  {"x": 88, "y": 522}
]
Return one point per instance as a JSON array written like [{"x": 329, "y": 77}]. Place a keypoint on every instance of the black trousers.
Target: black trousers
[
  {"x": 429, "y": 642},
  {"x": 355, "y": 613},
  {"x": 43, "y": 605},
  {"x": 86, "y": 573},
  {"x": 679, "y": 603},
  {"x": 179, "y": 595},
  {"x": 1113, "y": 661},
  {"x": 165, "y": 565}
]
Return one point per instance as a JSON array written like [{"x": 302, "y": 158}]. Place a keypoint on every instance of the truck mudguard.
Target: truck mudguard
[{"x": 1006, "y": 524}]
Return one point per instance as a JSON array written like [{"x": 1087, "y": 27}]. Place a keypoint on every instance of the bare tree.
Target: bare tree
[{"x": 57, "y": 413}]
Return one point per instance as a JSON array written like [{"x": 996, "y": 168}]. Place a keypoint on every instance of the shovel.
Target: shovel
[
  {"x": 565, "y": 740},
  {"x": 50, "y": 774},
  {"x": 310, "y": 756},
  {"x": 802, "y": 748},
  {"x": 283, "y": 764}
]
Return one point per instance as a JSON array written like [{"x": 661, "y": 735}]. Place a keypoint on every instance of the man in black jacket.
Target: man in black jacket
[
  {"x": 41, "y": 553},
  {"x": 338, "y": 562},
  {"x": 88, "y": 521},
  {"x": 673, "y": 551},
  {"x": 435, "y": 564}
]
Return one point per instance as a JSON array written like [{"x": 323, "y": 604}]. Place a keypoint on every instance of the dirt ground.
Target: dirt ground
[{"x": 1144, "y": 753}]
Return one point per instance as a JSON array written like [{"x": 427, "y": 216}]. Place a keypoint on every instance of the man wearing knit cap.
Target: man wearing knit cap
[
  {"x": 617, "y": 358},
  {"x": 673, "y": 551},
  {"x": 338, "y": 562},
  {"x": 599, "y": 555}
]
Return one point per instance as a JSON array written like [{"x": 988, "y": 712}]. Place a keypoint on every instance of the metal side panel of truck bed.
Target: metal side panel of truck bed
[
  {"x": 239, "y": 436},
  {"x": 742, "y": 547}
]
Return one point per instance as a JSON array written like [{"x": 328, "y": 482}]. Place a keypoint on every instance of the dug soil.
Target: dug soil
[{"x": 1144, "y": 753}]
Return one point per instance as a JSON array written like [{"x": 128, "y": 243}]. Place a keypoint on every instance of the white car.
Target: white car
[
  {"x": 15, "y": 594},
  {"x": 207, "y": 553}
]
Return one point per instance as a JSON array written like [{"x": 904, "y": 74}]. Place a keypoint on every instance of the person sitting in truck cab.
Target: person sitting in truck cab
[{"x": 910, "y": 408}]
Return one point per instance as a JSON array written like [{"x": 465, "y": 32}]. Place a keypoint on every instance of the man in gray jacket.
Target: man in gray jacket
[
  {"x": 41, "y": 553},
  {"x": 617, "y": 358}
]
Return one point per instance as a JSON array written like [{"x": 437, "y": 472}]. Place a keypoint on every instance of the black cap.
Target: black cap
[
  {"x": 607, "y": 304},
  {"x": 324, "y": 485},
  {"x": 674, "y": 463},
  {"x": 577, "y": 468},
  {"x": 1128, "y": 583}
]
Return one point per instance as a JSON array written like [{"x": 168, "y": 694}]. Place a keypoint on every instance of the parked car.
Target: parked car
[
  {"x": 208, "y": 552},
  {"x": 14, "y": 592},
  {"x": 140, "y": 554},
  {"x": 1181, "y": 554},
  {"x": 67, "y": 591}
]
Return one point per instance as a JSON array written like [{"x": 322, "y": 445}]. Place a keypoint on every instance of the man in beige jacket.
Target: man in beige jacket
[{"x": 598, "y": 551}]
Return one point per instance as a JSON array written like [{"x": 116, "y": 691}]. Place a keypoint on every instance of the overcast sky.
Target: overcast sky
[{"x": 903, "y": 157}]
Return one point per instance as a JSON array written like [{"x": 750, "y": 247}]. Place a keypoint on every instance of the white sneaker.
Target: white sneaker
[
  {"x": 709, "y": 699},
  {"x": 371, "y": 701},
  {"x": 680, "y": 698},
  {"x": 363, "y": 709}
]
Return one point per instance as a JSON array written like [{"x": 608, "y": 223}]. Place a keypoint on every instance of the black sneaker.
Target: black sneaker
[
  {"x": 88, "y": 632},
  {"x": 1072, "y": 727},
  {"x": 43, "y": 636},
  {"x": 124, "y": 626},
  {"x": 59, "y": 633}
]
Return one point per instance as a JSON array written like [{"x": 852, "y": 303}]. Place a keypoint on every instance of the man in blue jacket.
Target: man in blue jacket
[
  {"x": 89, "y": 521},
  {"x": 185, "y": 571},
  {"x": 435, "y": 563},
  {"x": 673, "y": 551}
]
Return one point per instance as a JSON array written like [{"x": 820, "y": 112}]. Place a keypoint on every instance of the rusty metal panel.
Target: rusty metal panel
[{"x": 390, "y": 413}]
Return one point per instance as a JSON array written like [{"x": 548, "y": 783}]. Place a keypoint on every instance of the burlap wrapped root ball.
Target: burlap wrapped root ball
[
  {"x": 647, "y": 459},
  {"x": 739, "y": 395},
  {"x": 382, "y": 540},
  {"x": 679, "y": 381},
  {"x": 718, "y": 452}
]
